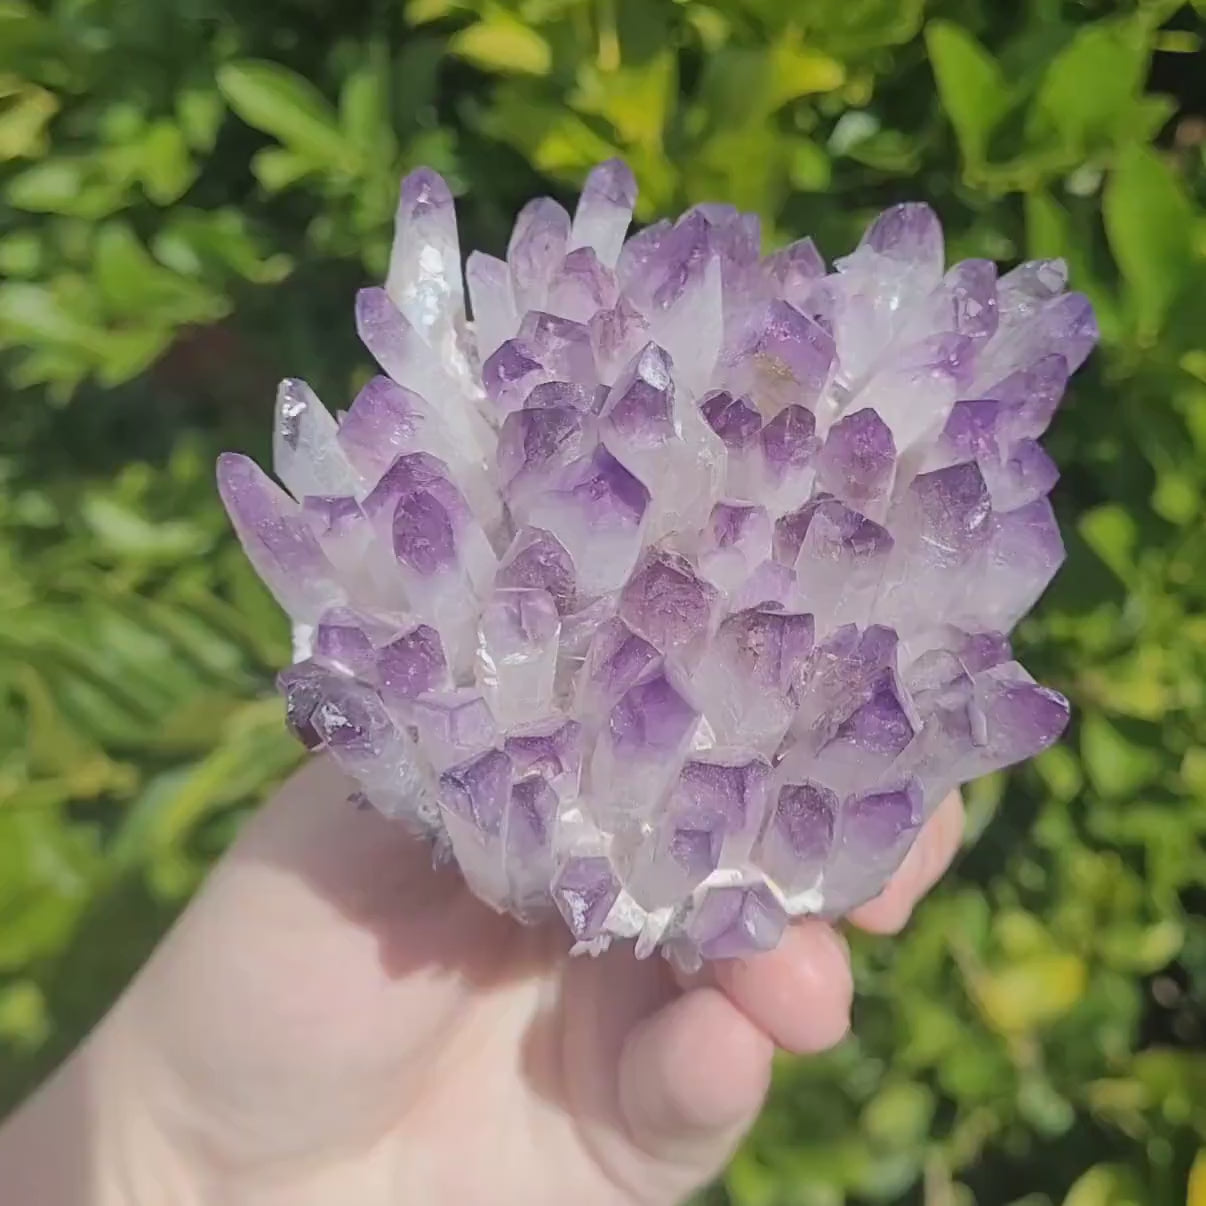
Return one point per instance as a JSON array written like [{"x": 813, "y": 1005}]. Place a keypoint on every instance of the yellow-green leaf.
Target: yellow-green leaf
[
  {"x": 1196, "y": 1190},
  {"x": 25, "y": 111},
  {"x": 419, "y": 12},
  {"x": 276, "y": 168},
  {"x": 635, "y": 100},
  {"x": 501, "y": 43},
  {"x": 1023, "y": 996},
  {"x": 798, "y": 70},
  {"x": 24, "y": 1016},
  {"x": 1103, "y": 1185}
]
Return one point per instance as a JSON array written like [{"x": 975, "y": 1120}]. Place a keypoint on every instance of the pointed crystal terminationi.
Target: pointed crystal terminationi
[{"x": 668, "y": 589}]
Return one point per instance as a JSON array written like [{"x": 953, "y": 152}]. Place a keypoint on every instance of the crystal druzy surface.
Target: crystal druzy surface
[{"x": 671, "y": 592}]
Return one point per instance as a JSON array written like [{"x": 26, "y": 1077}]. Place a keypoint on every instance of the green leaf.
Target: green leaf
[
  {"x": 1106, "y": 1185},
  {"x": 419, "y": 12},
  {"x": 972, "y": 86},
  {"x": 123, "y": 532},
  {"x": 1116, "y": 767},
  {"x": 1060, "y": 771},
  {"x": 798, "y": 70},
  {"x": 253, "y": 753},
  {"x": 123, "y": 270},
  {"x": 52, "y": 746},
  {"x": 501, "y": 43},
  {"x": 888, "y": 151},
  {"x": 276, "y": 168},
  {"x": 77, "y": 188},
  {"x": 199, "y": 110},
  {"x": 21, "y": 254},
  {"x": 733, "y": 89},
  {"x": 1149, "y": 222},
  {"x": 24, "y": 1015},
  {"x": 133, "y": 285},
  {"x": 286, "y": 105},
  {"x": 33, "y": 313},
  {"x": 1177, "y": 496},
  {"x": 220, "y": 240},
  {"x": 1022, "y": 996},
  {"x": 900, "y": 1114},
  {"x": 850, "y": 28},
  {"x": 1195, "y": 1191},
  {"x": 1143, "y": 949},
  {"x": 130, "y": 352},
  {"x": 636, "y": 101},
  {"x": 25, "y": 112},
  {"x": 166, "y": 167},
  {"x": 1111, "y": 533},
  {"x": 1093, "y": 84},
  {"x": 556, "y": 140},
  {"x": 809, "y": 167},
  {"x": 1048, "y": 228},
  {"x": 48, "y": 187},
  {"x": 1046, "y": 1110},
  {"x": 45, "y": 872},
  {"x": 364, "y": 108}
]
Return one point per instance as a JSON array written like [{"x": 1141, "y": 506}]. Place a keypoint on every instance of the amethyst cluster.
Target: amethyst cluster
[{"x": 671, "y": 592}]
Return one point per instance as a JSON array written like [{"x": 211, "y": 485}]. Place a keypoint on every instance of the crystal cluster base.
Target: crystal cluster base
[{"x": 671, "y": 593}]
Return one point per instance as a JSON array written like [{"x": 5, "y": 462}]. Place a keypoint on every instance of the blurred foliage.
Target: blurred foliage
[{"x": 191, "y": 193}]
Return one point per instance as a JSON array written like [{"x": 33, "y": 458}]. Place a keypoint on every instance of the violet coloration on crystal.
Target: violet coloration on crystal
[{"x": 668, "y": 589}]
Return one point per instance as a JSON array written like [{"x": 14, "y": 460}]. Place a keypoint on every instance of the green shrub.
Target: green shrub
[{"x": 191, "y": 193}]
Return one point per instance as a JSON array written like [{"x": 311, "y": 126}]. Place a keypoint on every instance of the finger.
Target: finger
[
  {"x": 923, "y": 866},
  {"x": 800, "y": 993},
  {"x": 684, "y": 1109}
]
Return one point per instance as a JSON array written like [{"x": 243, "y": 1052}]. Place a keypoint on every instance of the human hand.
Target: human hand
[{"x": 333, "y": 1023}]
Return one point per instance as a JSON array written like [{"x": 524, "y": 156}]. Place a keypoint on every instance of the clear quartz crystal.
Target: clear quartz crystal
[{"x": 668, "y": 589}]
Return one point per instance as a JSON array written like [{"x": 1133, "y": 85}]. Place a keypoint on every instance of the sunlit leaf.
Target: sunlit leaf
[
  {"x": 972, "y": 86},
  {"x": 1195, "y": 1191},
  {"x": 200, "y": 110},
  {"x": 1110, "y": 532},
  {"x": 501, "y": 43},
  {"x": 1105, "y": 1185},
  {"x": 286, "y": 105},
  {"x": 1023, "y": 996},
  {"x": 167, "y": 168},
  {"x": 25, "y": 111},
  {"x": 797, "y": 69}
]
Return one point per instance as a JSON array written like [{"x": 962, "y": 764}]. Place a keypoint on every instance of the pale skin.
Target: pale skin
[{"x": 332, "y": 1023}]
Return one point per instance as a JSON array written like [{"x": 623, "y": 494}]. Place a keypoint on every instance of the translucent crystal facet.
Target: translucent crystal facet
[{"x": 664, "y": 585}]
